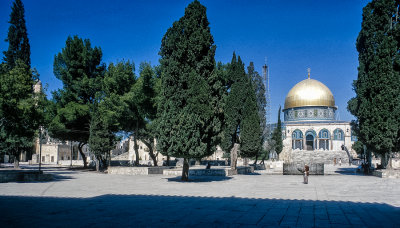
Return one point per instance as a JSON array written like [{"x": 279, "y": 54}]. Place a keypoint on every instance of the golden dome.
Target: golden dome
[{"x": 309, "y": 92}]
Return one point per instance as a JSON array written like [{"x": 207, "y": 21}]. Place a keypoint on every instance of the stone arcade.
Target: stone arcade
[{"x": 312, "y": 133}]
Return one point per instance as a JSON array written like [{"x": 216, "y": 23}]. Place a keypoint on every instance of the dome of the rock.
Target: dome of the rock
[{"x": 309, "y": 92}]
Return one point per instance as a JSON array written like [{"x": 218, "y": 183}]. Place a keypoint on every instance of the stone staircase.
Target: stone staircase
[
  {"x": 318, "y": 156},
  {"x": 124, "y": 156}
]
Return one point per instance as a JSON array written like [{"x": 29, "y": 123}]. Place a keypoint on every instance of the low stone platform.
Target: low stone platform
[
  {"x": 296, "y": 169},
  {"x": 121, "y": 170},
  {"x": 10, "y": 175},
  {"x": 385, "y": 173},
  {"x": 197, "y": 171}
]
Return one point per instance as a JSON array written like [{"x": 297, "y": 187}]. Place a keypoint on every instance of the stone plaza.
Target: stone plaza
[{"x": 81, "y": 198}]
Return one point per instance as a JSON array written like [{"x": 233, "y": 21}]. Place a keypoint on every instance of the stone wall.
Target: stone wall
[
  {"x": 68, "y": 162},
  {"x": 23, "y": 175},
  {"x": 211, "y": 172},
  {"x": 318, "y": 156},
  {"x": 136, "y": 170}
]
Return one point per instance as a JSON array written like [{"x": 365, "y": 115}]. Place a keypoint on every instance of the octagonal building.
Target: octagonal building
[{"x": 312, "y": 132}]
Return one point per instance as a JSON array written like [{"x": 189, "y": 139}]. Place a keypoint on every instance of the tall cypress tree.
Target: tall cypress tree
[
  {"x": 377, "y": 102},
  {"x": 236, "y": 98},
  {"x": 186, "y": 118},
  {"x": 17, "y": 38},
  {"x": 242, "y": 121},
  {"x": 250, "y": 132},
  {"x": 19, "y": 106},
  {"x": 277, "y": 135},
  {"x": 259, "y": 89}
]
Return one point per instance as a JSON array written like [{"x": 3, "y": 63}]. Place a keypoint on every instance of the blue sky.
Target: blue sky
[{"x": 293, "y": 35}]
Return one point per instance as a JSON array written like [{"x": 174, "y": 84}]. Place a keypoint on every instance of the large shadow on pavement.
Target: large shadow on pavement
[
  {"x": 195, "y": 179},
  {"x": 183, "y": 211}
]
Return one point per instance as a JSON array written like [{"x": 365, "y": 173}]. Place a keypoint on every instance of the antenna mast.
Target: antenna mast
[{"x": 267, "y": 99}]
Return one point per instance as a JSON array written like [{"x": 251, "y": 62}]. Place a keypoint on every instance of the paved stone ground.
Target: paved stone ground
[{"x": 87, "y": 199}]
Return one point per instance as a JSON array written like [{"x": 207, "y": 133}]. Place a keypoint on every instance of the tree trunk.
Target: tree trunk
[
  {"x": 168, "y": 160},
  {"x": 108, "y": 159},
  {"x": 255, "y": 162},
  {"x": 234, "y": 151},
  {"x": 135, "y": 144},
  {"x": 389, "y": 163},
  {"x": 263, "y": 159},
  {"x": 80, "y": 145},
  {"x": 16, "y": 162},
  {"x": 151, "y": 152},
  {"x": 384, "y": 160},
  {"x": 97, "y": 165},
  {"x": 245, "y": 161},
  {"x": 185, "y": 170}
]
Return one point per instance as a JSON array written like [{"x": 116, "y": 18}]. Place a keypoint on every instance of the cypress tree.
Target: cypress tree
[
  {"x": 20, "y": 113},
  {"x": 259, "y": 89},
  {"x": 19, "y": 118},
  {"x": 234, "y": 112},
  {"x": 186, "y": 120},
  {"x": 377, "y": 102},
  {"x": 18, "y": 42},
  {"x": 242, "y": 120},
  {"x": 277, "y": 135}
]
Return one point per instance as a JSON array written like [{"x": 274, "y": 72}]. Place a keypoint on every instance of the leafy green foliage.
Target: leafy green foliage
[
  {"x": 18, "y": 110},
  {"x": 377, "y": 102},
  {"x": 18, "y": 42},
  {"x": 358, "y": 147},
  {"x": 102, "y": 139},
  {"x": 79, "y": 68}
]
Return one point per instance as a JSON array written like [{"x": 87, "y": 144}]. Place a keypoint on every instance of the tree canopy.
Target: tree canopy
[
  {"x": 187, "y": 124},
  {"x": 79, "y": 67},
  {"x": 18, "y": 42},
  {"x": 377, "y": 102}
]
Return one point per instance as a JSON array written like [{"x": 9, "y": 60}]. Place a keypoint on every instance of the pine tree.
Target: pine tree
[
  {"x": 141, "y": 104},
  {"x": 18, "y": 42},
  {"x": 186, "y": 120},
  {"x": 377, "y": 102},
  {"x": 79, "y": 68},
  {"x": 101, "y": 139},
  {"x": 277, "y": 135}
]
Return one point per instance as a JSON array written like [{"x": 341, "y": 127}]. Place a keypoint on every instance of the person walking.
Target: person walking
[
  {"x": 340, "y": 161},
  {"x": 306, "y": 173}
]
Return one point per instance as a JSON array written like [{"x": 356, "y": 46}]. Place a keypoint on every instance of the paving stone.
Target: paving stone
[{"x": 88, "y": 199}]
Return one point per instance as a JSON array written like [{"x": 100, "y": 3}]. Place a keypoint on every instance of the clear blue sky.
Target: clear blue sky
[{"x": 292, "y": 34}]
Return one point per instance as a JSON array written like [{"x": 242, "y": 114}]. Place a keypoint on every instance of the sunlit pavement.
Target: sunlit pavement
[{"x": 86, "y": 199}]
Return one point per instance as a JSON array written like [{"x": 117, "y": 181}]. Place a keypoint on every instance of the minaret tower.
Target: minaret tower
[{"x": 267, "y": 99}]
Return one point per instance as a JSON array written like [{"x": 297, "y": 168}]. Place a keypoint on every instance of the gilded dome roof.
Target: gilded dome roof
[{"x": 309, "y": 92}]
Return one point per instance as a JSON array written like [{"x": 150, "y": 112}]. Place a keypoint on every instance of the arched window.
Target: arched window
[
  {"x": 297, "y": 134},
  {"x": 323, "y": 142},
  {"x": 338, "y": 134},
  {"x": 297, "y": 139},
  {"x": 324, "y": 134}
]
